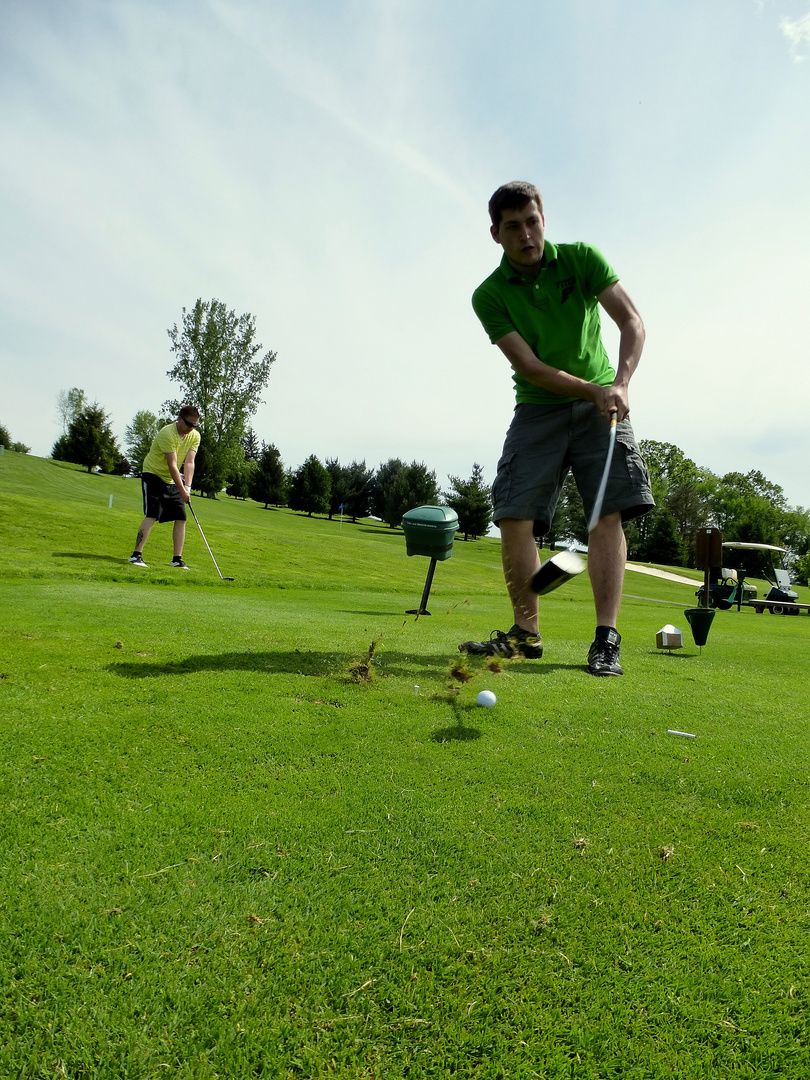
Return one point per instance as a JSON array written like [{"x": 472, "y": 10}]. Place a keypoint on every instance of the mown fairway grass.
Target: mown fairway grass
[{"x": 224, "y": 857}]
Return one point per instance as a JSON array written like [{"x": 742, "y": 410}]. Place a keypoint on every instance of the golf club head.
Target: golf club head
[{"x": 556, "y": 571}]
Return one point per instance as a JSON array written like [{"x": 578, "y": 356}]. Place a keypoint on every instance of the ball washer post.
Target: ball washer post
[{"x": 210, "y": 552}]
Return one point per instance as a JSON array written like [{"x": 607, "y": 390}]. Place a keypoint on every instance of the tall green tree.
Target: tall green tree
[
  {"x": 269, "y": 481},
  {"x": 89, "y": 441},
  {"x": 569, "y": 522},
  {"x": 749, "y": 508},
  {"x": 383, "y": 478},
  {"x": 338, "y": 485},
  {"x": 681, "y": 488},
  {"x": 139, "y": 436},
  {"x": 250, "y": 445},
  {"x": 471, "y": 501},
  {"x": 69, "y": 403},
  {"x": 360, "y": 483},
  {"x": 241, "y": 479},
  {"x": 664, "y": 544},
  {"x": 310, "y": 487},
  {"x": 350, "y": 493},
  {"x": 413, "y": 485},
  {"x": 220, "y": 368},
  {"x": 216, "y": 463},
  {"x": 796, "y": 533}
]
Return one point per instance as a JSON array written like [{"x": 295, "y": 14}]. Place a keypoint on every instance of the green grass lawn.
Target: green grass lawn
[{"x": 227, "y": 854}]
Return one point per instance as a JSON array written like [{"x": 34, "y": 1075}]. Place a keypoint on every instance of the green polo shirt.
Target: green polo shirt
[{"x": 556, "y": 314}]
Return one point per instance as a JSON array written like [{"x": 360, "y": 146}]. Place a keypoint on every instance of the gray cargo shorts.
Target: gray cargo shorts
[{"x": 545, "y": 441}]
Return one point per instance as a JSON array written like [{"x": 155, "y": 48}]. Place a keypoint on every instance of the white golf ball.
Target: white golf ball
[{"x": 487, "y": 698}]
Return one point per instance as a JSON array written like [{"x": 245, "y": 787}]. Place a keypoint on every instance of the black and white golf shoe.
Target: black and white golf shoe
[
  {"x": 514, "y": 643},
  {"x": 137, "y": 560},
  {"x": 178, "y": 564},
  {"x": 603, "y": 655}
]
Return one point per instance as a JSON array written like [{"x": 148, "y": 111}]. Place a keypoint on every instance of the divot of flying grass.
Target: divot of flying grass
[{"x": 226, "y": 855}]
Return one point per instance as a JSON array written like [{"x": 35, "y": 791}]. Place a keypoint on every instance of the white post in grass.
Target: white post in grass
[{"x": 111, "y": 502}]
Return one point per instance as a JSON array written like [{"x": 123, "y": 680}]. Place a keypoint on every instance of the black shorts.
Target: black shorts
[
  {"x": 161, "y": 500},
  {"x": 544, "y": 442}
]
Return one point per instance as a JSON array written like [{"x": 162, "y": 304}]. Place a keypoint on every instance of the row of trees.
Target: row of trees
[
  {"x": 219, "y": 367},
  {"x": 356, "y": 491},
  {"x": 10, "y": 444},
  {"x": 256, "y": 471},
  {"x": 222, "y": 369},
  {"x": 87, "y": 437},
  {"x": 745, "y": 506}
]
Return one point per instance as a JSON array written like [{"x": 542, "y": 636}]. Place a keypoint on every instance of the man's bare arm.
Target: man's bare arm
[
  {"x": 171, "y": 461},
  {"x": 526, "y": 363},
  {"x": 617, "y": 303},
  {"x": 622, "y": 310},
  {"x": 188, "y": 468}
]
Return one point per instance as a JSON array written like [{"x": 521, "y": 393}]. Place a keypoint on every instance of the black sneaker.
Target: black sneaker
[
  {"x": 137, "y": 560},
  {"x": 603, "y": 656},
  {"x": 515, "y": 642},
  {"x": 178, "y": 564}
]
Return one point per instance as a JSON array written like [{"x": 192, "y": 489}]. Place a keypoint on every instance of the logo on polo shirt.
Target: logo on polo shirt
[{"x": 566, "y": 287}]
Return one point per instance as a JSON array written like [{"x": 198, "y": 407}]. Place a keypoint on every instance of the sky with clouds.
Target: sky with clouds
[{"x": 326, "y": 164}]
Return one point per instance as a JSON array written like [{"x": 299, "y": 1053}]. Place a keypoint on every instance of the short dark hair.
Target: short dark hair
[
  {"x": 190, "y": 413},
  {"x": 513, "y": 196}
]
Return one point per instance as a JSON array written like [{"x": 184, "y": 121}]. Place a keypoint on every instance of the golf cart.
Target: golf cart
[{"x": 726, "y": 589}]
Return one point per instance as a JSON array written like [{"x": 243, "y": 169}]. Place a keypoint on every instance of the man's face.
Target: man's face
[
  {"x": 521, "y": 234},
  {"x": 185, "y": 427}
]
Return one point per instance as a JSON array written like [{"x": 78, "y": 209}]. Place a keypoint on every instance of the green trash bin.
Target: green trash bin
[{"x": 429, "y": 531}]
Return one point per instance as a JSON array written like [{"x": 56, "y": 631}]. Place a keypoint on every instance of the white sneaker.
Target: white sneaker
[{"x": 137, "y": 560}]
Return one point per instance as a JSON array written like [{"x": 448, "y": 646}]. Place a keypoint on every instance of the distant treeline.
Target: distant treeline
[{"x": 220, "y": 367}]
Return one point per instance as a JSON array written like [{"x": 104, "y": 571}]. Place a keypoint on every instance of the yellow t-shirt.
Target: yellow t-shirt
[{"x": 169, "y": 440}]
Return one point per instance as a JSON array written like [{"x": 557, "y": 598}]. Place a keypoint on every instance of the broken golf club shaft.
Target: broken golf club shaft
[{"x": 202, "y": 534}]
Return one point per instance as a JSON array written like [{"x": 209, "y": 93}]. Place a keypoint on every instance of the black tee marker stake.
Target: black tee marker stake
[{"x": 210, "y": 552}]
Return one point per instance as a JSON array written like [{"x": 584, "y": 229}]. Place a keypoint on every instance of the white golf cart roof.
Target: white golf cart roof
[{"x": 752, "y": 547}]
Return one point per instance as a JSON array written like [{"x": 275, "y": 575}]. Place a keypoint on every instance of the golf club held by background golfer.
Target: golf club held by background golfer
[{"x": 202, "y": 534}]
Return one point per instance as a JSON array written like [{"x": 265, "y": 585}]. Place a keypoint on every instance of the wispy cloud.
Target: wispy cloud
[
  {"x": 797, "y": 31},
  {"x": 325, "y": 89}
]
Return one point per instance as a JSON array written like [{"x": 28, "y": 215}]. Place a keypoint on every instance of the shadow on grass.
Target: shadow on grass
[
  {"x": 377, "y": 529},
  {"x": 347, "y": 611},
  {"x": 87, "y": 555},
  {"x": 289, "y": 661},
  {"x": 318, "y": 664},
  {"x": 457, "y": 733}
]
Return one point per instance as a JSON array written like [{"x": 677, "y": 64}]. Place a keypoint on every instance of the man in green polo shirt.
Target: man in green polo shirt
[
  {"x": 165, "y": 490},
  {"x": 541, "y": 308}
]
